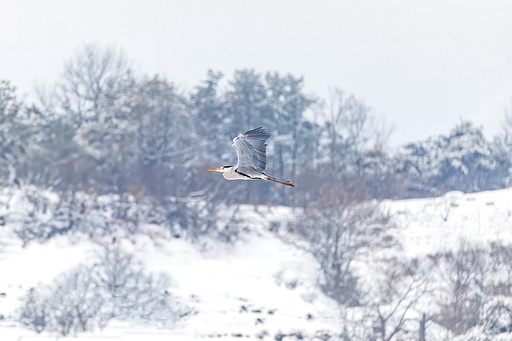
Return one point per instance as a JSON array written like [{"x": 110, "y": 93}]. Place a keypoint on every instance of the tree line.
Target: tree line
[{"x": 103, "y": 128}]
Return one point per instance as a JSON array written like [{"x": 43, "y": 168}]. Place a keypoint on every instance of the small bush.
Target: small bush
[
  {"x": 89, "y": 296},
  {"x": 496, "y": 316}
]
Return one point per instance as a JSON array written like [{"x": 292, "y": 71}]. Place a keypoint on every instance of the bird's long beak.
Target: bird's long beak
[{"x": 215, "y": 169}]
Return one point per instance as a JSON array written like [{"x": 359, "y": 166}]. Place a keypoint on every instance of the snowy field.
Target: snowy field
[
  {"x": 259, "y": 287},
  {"x": 426, "y": 226}
]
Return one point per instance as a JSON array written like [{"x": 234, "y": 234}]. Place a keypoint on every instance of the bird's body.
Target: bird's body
[
  {"x": 250, "y": 148},
  {"x": 230, "y": 173}
]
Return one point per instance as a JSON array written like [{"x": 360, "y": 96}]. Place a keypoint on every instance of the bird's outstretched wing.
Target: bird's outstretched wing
[{"x": 250, "y": 148}]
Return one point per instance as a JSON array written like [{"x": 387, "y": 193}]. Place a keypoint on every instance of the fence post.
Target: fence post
[{"x": 423, "y": 323}]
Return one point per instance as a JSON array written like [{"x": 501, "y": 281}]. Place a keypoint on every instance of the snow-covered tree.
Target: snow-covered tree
[
  {"x": 19, "y": 132},
  {"x": 464, "y": 160},
  {"x": 495, "y": 321},
  {"x": 152, "y": 138},
  {"x": 211, "y": 119},
  {"x": 77, "y": 115},
  {"x": 294, "y": 142},
  {"x": 245, "y": 99}
]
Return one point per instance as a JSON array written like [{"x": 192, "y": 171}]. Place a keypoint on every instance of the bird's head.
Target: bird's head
[{"x": 221, "y": 169}]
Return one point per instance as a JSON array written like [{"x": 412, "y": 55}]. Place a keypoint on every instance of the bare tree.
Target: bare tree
[
  {"x": 395, "y": 291},
  {"x": 352, "y": 130},
  {"x": 91, "y": 80},
  {"x": 499, "y": 265},
  {"x": 463, "y": 280},
  {"x": 476, "y": 286},
  {"x": 354, "y": 148},
  {"x": 339, "y": 230}
]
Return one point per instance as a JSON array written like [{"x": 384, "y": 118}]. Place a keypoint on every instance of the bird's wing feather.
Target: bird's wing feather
[{"x": 250, "y": 148}]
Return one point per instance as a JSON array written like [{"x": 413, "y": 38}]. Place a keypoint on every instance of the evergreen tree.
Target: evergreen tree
[{"x": 464, "y": 160}]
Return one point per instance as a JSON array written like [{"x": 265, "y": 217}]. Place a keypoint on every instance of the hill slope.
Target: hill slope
[{"x": 259, "y": 287}]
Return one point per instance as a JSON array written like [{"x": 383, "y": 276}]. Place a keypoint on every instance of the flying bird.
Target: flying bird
[{"x": 251, "y": 150}]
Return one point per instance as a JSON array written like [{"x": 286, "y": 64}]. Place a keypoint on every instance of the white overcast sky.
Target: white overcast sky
[{"x": 422, "y": 65}]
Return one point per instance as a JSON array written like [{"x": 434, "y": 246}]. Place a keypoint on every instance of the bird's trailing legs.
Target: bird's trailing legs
[{"x": 287, "y": 183}]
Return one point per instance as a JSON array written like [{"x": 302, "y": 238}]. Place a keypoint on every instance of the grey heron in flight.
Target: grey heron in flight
[{"x": 250, "y": 148}]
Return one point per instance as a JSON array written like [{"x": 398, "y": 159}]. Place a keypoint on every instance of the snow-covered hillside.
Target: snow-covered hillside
[
  {"x": 260, "y": 286},
  {"x": 426, "y": 226},
  {"x": 263, "y": 286}
]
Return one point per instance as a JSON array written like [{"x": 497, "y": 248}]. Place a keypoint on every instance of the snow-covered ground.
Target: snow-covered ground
[
  {"x": 426, "y": 226},
  {"x": 255, "y": 288},
  {"x": 258, "y": 287}
]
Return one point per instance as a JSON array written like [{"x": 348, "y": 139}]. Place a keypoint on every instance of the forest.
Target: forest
[{"x": 115, "y": 146}]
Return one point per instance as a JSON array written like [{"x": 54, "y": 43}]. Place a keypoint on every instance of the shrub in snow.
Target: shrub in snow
[
  {"x": 90, "y": 296},
  {"x": 495, "y": 321},
  {"x": 43, "y": 215},
  {"x": 72, "y": 304},
  {"x": 36, "y": 310},
  {"x": 496, "y": 315},
  {"x": 35, "y": 218}
]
